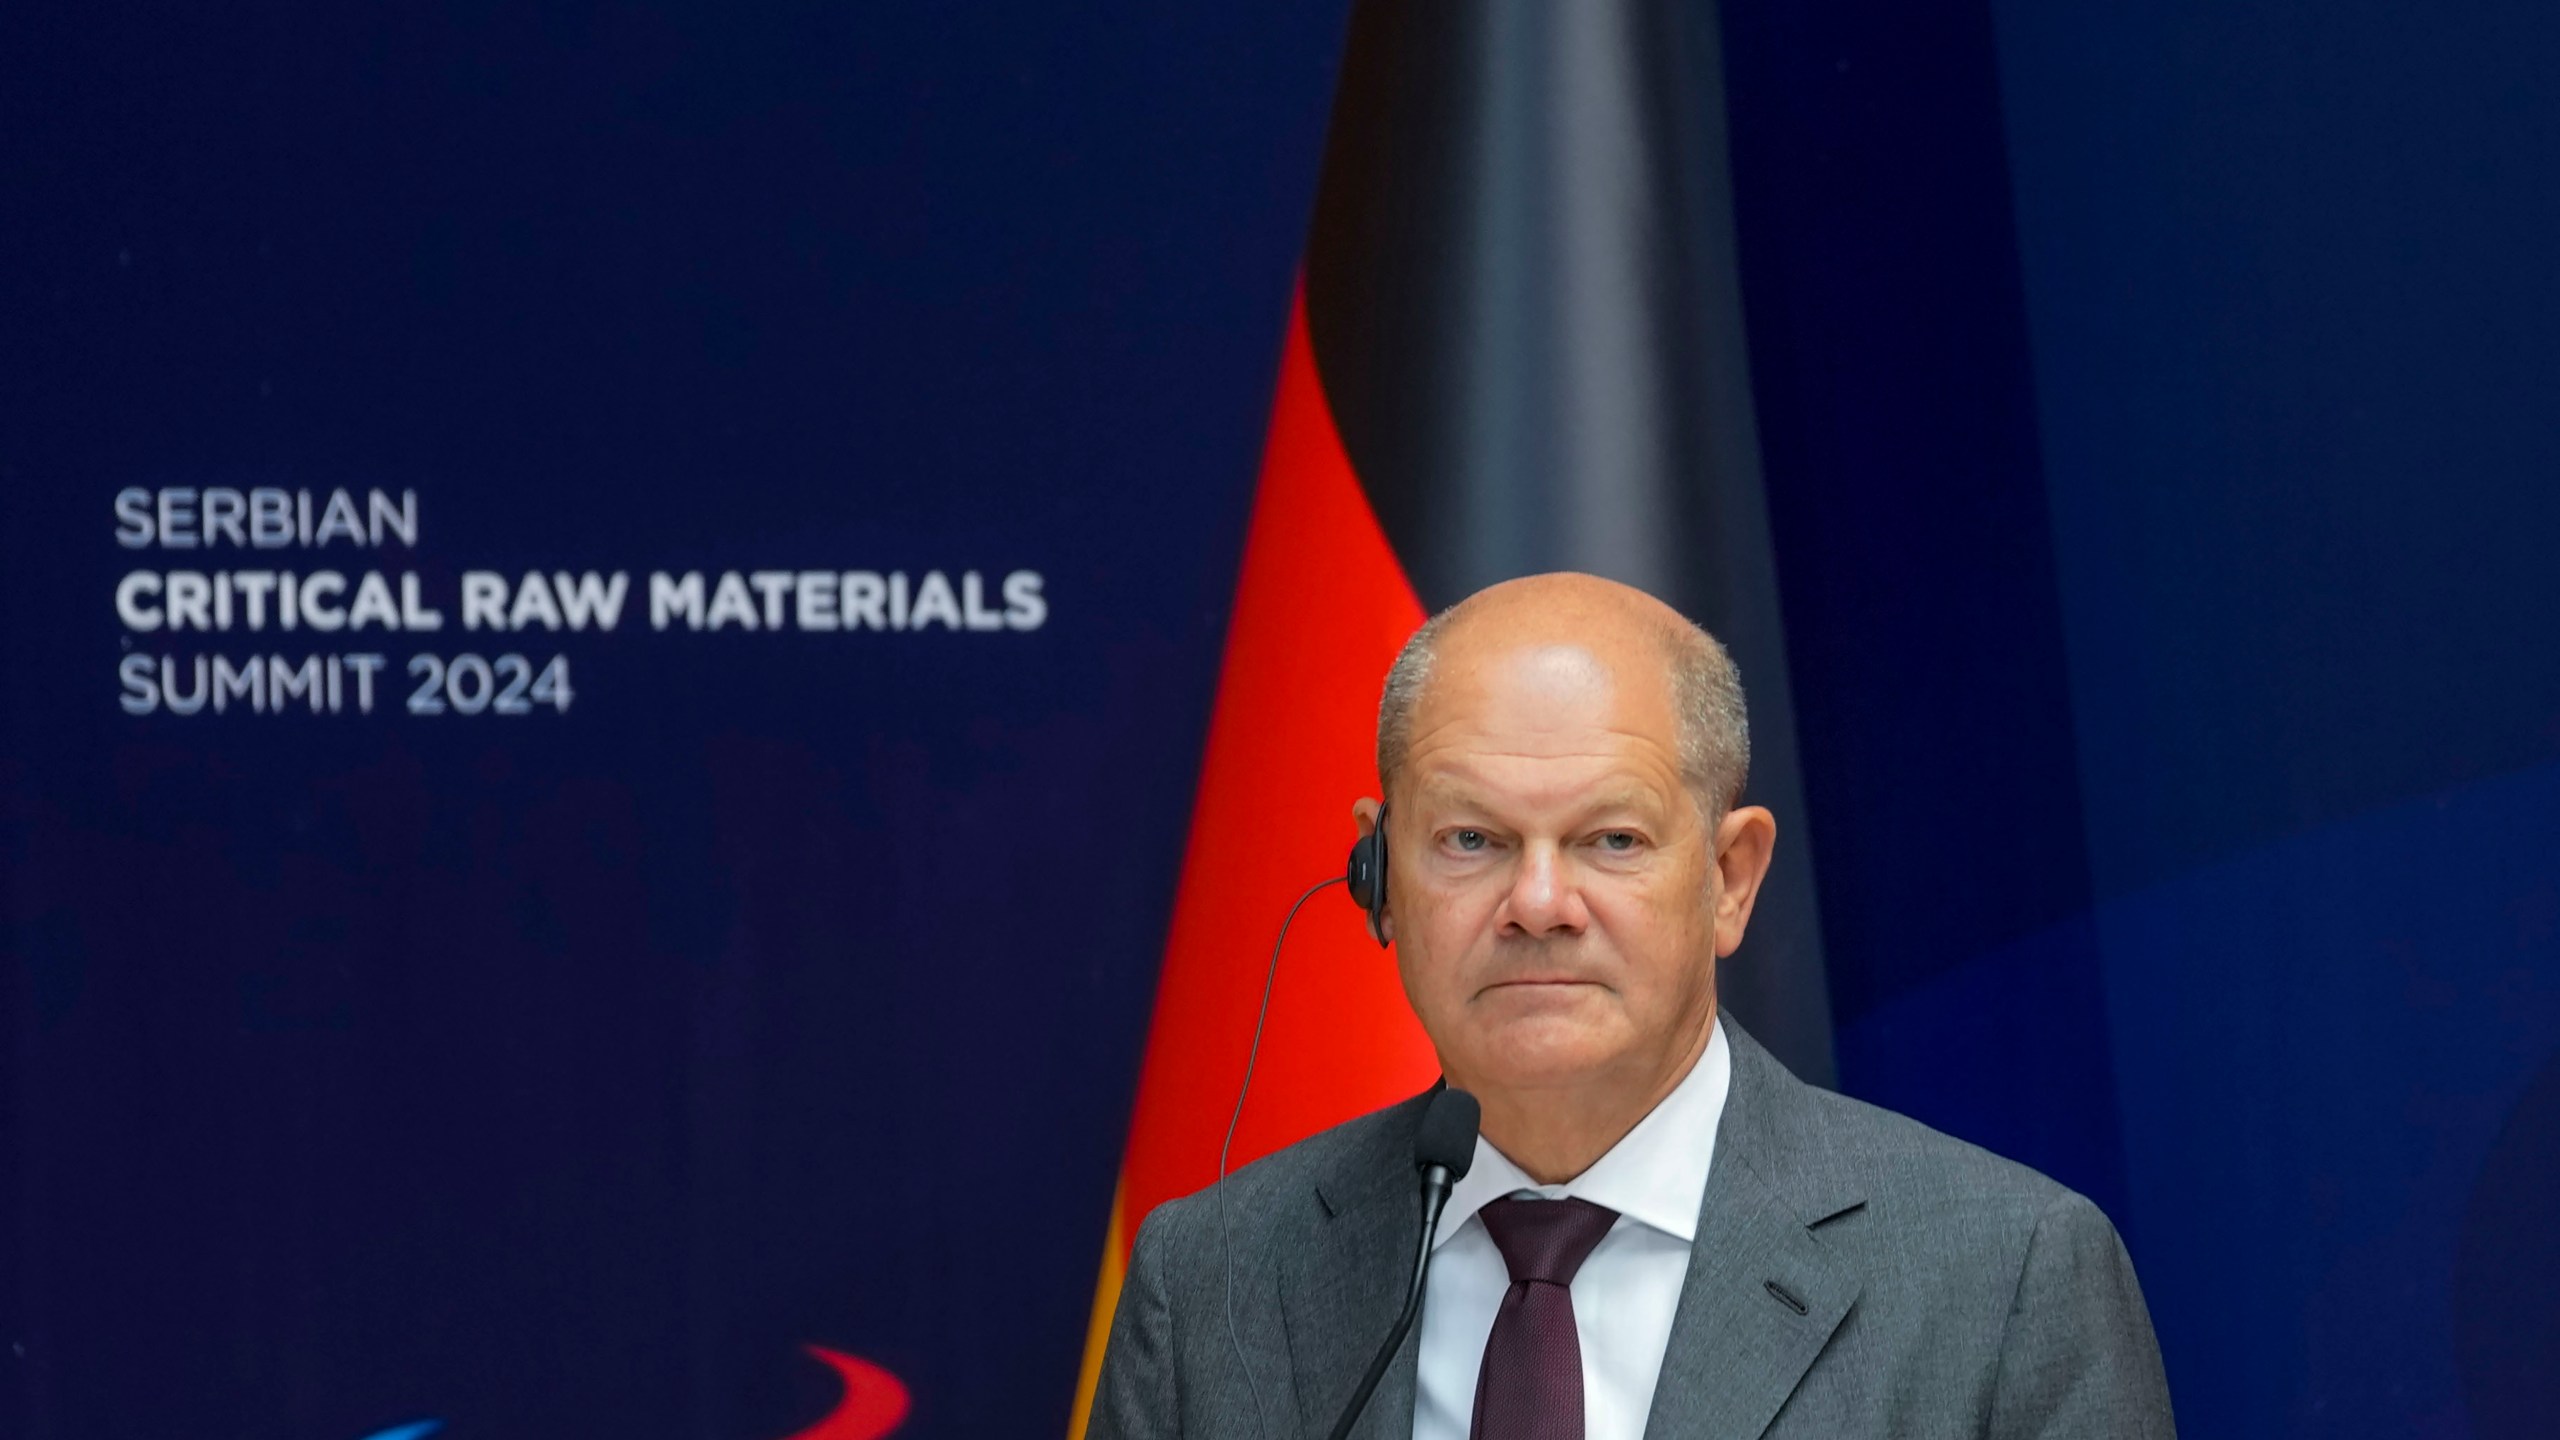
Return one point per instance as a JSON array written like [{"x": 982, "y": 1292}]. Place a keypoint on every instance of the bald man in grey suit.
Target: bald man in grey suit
[{"x": 1664, "y": 1233}]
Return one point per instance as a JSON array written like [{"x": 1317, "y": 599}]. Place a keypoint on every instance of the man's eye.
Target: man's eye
[
  {"x": 1468, "y": 839},
  {"x": 1618, "y": 841}
]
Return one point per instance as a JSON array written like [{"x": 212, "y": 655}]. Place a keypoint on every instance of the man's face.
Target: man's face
[{"x": 1553, "y": 889}]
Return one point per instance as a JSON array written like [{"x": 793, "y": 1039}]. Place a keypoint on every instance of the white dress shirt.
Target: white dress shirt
[{"x": 1626, "y": 1292}]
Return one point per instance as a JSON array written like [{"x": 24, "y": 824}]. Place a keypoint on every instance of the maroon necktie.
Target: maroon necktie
[{"x": 1530, "y": 1385}]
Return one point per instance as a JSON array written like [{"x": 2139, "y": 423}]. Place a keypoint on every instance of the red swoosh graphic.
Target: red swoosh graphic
[{"x": 874, "y": 1403}]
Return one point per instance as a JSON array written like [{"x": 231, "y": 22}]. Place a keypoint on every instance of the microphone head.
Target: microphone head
[{"x": 1448, "y": 1134}]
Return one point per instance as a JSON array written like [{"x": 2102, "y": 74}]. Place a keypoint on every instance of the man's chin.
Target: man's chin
[{"x": 1542, "y": 1051}]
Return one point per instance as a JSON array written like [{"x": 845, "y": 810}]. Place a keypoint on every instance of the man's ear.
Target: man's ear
[
  {"x": 1365, "y": 812},
  {"x": 1744, "y": 841}
]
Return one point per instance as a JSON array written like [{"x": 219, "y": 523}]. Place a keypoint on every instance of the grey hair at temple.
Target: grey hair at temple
[{"x": 1715, "y": 725}]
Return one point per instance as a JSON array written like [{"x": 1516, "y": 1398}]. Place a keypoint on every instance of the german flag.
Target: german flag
[{"x": 1516, "y": 347}]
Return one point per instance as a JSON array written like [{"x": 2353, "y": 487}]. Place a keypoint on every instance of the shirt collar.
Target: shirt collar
[{"x": 1656, "y": 1174}]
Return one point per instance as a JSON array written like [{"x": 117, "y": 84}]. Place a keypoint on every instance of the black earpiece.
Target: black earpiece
[{"x": 1366, "y": 876}]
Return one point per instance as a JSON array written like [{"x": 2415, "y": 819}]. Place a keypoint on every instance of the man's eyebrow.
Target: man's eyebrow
[
  {"x": 1457, "y": 794},
  {"x": 1635, "y": 798},
  {"x": 1444, "y": 792}
]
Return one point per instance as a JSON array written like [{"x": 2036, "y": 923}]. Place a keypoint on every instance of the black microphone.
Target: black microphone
[{"x": 1442, "y": 1150}]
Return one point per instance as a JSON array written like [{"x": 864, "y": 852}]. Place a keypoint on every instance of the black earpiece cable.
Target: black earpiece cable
[{"x": 1226, "y": 1239}]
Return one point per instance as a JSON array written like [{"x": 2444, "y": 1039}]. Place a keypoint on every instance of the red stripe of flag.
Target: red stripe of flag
[{"x": 1321, "y": 609}]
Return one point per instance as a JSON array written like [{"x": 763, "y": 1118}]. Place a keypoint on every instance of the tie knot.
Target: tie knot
[{"x": 1546, "y": 1239}]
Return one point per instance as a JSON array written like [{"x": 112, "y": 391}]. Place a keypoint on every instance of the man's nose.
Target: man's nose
[{"x": 1544, "y": 898}]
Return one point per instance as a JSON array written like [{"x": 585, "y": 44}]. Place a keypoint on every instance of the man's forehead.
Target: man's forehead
[
  {"x": 1550, "y": 687},
  {"x": 1547, "y": 724},
  {"x": 1549, "y": 665}
]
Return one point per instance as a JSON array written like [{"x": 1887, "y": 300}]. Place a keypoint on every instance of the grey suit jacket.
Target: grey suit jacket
[{"x": 1855, "y": 1274}]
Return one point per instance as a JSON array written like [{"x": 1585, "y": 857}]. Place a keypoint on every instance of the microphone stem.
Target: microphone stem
[{"x": 1436, "y": 1184}]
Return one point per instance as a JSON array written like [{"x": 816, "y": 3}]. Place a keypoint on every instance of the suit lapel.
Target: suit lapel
[
  {"x": 1739, "y": 1341},
  {"x": 1342, "y": 1289}
]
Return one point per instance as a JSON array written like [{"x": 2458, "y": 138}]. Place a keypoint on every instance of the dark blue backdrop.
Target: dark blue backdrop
[
  {"x": 2154, "y": 406},
  {"x": 562, "y": 1075},
  {"x": 2157, "y": 406}
]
